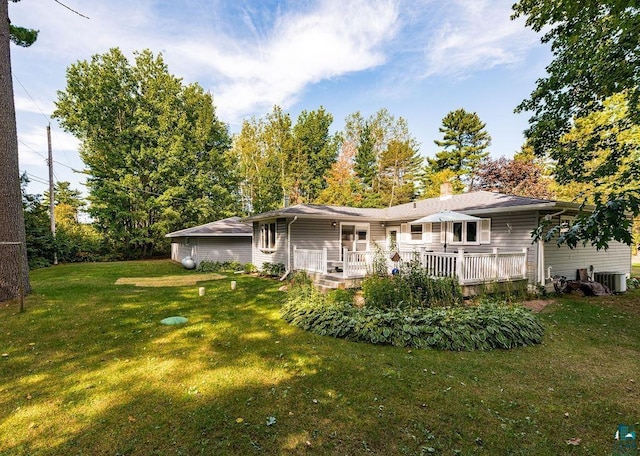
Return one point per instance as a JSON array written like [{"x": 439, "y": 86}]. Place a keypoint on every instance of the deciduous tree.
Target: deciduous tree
[
  {"x": 522, "y": 175},
  {"x": 156, "y": 154},
  {"x": 596, "y": 48}
]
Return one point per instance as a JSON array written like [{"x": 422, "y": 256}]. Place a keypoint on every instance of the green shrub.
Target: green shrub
[
  {"x": 249, "y": 268},
  {"x": 273, "y": 269},
  {"x": 482, "y": 327},
  {"x": 219, "y": 266},
  {"x": 413, "y": 286}
]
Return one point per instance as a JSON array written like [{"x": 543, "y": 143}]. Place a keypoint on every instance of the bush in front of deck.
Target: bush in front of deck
[
  {"x": 486, "y": 326},
  {"x": 412, "y": 287}
]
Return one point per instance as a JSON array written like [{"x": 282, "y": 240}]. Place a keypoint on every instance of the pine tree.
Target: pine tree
[
  {"x": 12, "y": 227},
  {"x": 464, "y": 145}
]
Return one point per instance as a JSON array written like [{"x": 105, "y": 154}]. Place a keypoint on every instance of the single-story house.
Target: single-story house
[
  {"x": 224, "y": 240},
  {"x": 489, "y": 241}
]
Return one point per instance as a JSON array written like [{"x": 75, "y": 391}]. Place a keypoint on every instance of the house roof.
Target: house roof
[
  {"x": 321, "y": 212},
  {"x": 232, "y": 226},
  {"x": 474, "y": 203}
]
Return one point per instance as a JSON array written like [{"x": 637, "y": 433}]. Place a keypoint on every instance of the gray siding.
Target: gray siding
[
  {"x": 280, "y": 255},
  {"x": 565, "y": 261},
  {"x": 316, "y": 235},
  {"x": 180, "y": 249},
  {"x": 214, "y": 248},
  {"x": 224, "y": 248}
]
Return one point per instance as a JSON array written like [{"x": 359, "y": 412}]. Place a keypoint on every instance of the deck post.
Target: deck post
[
  {"x": 495, "y": 271},
  {"x": 525, "y": 251},
  {"x": 345, "y": 263},
  {"x": 295, "y": 247},
  {"x": 460, "y": 266},
  {"x": 324, "y": 260}
]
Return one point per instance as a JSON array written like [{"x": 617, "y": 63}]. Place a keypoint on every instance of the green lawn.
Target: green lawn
[{"x": 88, "y": 369}]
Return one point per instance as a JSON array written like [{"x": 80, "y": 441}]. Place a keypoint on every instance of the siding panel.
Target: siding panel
[{"x": 565, "y": 261}]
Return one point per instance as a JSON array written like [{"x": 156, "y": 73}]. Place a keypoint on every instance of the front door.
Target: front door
[
  {"x": 393, "y": 235},
  {"x": 354, "y": 238}
]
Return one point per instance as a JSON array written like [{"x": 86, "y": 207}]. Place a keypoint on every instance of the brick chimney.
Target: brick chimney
[{"x": 446, "y": 191}]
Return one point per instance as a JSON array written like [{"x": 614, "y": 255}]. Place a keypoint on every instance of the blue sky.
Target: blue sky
[{"x": 420, "y": 59}]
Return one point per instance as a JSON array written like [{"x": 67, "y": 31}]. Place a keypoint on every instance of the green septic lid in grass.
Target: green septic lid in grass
[{"x": 173, "y": 321}]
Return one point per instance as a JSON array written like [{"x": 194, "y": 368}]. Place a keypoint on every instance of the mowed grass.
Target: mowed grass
[{"x": 89, "y": 369}]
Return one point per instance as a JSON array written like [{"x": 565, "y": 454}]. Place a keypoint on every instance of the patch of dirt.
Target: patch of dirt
[
  {"x": 168, "y": 281},
  {"x": 537, "y": 305}
]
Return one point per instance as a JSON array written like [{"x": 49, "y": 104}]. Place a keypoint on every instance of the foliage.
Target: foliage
[
  {"x": 601, "y": 153},
  {"x": 278, "y": 160},
  {"x": 482, "y": 327},
  {"x": 378, "y": 164},
  {"x": 633, "y": 282},
  {"x": 412, "y": 287},
  {"x": 273, "y": 269},
  {"x": 22, "y": 36},
  {"x": 463, "y": 146},
  {"x": 433, "y": 180},
  {"x": 596, "y": 49},
  {"x": 343, "y": 186},
  {"x": 40, "y": 243},
  {"x": 220, "y": 266},
  {"x": 155, "y": 152},
  {"x": 522, "y": 175}
]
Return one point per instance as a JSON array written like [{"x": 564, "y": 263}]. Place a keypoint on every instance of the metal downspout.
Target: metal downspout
[{"x": 288, "y": 271}]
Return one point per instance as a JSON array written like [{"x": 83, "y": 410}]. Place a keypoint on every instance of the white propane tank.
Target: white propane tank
[{"x": 188, "y": 262}]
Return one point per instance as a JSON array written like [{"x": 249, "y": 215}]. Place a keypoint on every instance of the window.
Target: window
[
  {"x": 565, "y": 223},
  {"x": 472, "y": 232},
  {"x": 268, "y": 236},
  {"x": 416, "y": 232},
  {"x": 457, "y": 232},
  {"x": 467, "y": 232}
]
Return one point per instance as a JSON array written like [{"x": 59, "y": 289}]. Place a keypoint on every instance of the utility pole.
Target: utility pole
[{"x": 52, "y": 216}]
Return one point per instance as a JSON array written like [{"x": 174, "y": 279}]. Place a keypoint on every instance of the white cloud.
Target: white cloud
[
  {"x": 26, "y": 104},
  {"x": 476, "y": 35},
  {"x": 303, "y": 48}
]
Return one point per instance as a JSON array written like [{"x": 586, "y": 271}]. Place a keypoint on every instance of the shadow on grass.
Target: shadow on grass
[{"x": 89, "y": 369}]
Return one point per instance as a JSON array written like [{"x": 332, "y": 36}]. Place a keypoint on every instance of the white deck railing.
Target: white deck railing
[
  {"x": 470, "y": 268},
  {"x": 310, "y": 260}
]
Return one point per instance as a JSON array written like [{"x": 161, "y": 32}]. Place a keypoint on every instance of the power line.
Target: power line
[
  {"x": 29, "y": 95},
  {"x": 31, "y": 148},
  {"x": 72, "y": 10}
]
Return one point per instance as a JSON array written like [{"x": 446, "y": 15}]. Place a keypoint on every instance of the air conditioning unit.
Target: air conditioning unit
[{"x": 615, "y": 281}]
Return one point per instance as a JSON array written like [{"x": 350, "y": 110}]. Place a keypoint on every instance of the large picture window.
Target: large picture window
[{"x": 268, "y": 236}]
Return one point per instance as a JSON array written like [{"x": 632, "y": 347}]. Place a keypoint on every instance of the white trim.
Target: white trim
[{"x": 271, "y": 244}]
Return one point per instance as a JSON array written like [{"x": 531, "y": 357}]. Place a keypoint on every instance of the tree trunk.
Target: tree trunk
[{"x": 11, "y": 215}]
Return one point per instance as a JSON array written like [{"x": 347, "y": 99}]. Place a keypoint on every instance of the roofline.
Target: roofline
[{"x": 182, "y": 234}]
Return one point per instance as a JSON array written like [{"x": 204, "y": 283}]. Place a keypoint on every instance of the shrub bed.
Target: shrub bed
[{"x": 486, "y": 326}]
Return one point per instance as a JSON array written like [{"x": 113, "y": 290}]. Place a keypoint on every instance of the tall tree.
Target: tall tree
[
  {"x": 12, "y": 227},
  {"x": 316, "y": 149},
  {"x": 523, "y": 175},
  {"x": 371, "y": 139},
  {"x": 400, "y": 165},
  {"x": 602, "y": 161},
  {"x": 596, "y": 48},
  {"x": 464, "y": 145},
  {"x": 156, "y": 154},
  {"x": 343, "y": 186},
  {"x": 280, "y": 161}
]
